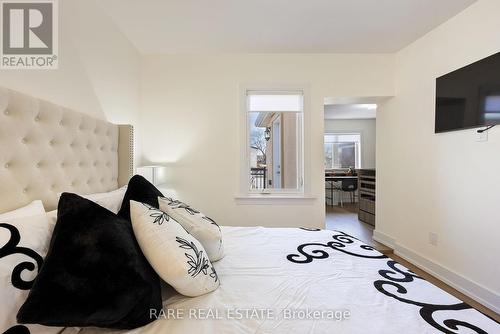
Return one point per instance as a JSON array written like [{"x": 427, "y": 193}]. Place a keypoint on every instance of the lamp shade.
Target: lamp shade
[{"x": 154, "y": 174}]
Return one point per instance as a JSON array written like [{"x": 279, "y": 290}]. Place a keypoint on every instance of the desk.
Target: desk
[
  {"x": 334, "y": 178},
  {"x": 337, "y": 178}
]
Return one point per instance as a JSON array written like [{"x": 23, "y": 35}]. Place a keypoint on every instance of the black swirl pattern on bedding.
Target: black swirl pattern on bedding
[
  {"x": 393, "y": 277},
  {"x": 310, "y": 229},
  {"x": 340, "y": 242}
]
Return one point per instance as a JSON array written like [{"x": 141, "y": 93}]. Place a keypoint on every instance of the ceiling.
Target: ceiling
[
  {"x": 350, "y": 111},
  {"x": 277, "y": 26}
]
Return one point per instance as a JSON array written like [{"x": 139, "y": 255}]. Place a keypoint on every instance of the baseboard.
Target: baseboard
[
  {"x": 466, "y": 286},
  {"x": 384, "y": 239}
]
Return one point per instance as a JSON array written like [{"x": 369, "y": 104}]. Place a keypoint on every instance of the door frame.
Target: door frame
[{"x": 277, "y": 152}]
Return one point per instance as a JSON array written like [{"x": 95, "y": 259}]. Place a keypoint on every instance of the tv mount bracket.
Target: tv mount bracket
[{"x": 485, "y": 129}]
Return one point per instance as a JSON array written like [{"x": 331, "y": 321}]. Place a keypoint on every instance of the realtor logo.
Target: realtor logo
[{"x": 29, "y": 34}]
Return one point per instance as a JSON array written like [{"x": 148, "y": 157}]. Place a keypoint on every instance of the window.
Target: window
[
  {"x": 342, "y": 150},
  {"x": 274, "y": 138}
]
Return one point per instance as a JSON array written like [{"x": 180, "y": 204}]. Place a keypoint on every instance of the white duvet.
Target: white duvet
[{"x": 303, "y": 281}]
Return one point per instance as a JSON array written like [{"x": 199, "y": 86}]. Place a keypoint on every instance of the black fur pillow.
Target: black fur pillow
[
  {"x": 94, "y": 273},
  {"x": 140, "y": 190}
]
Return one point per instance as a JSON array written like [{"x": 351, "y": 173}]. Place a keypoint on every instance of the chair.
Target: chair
[
  {"x": 330, "y": 188},
  {"x": 350, "y": 186},
  {"x": 336, "y": 187}
]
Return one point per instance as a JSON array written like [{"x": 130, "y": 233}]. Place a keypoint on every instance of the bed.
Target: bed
[{"x": 273, "y": 280}]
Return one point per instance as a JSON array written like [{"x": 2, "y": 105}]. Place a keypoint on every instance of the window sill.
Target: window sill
[{"x": 273, "y": 199}]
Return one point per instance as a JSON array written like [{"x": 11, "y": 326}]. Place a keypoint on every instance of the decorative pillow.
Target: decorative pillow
[
  {"x": 141, "y": 190},
  {"x": 24, "y": 239},
  {"x": 176, "y": 255},
  {"x": 32, "y": 209},
  {"x": 111, "y": 200},
  {"x": 94, "y": 274},
  {"x": 52, "y": 217},
  {"x": 203, "y": 228}
]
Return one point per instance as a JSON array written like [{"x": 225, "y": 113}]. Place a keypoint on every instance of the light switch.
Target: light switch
[{"x": 481, "y": 137}]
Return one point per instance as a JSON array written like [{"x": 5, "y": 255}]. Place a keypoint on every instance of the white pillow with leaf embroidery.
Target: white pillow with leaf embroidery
[
  {"x": 203, "y": 228},
  {"x": 176, "y": 256}
]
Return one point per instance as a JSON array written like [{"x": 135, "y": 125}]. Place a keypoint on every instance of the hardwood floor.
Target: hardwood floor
[
  {"x": 481, "y": 308},
  {"x": 345, "y": 219}
]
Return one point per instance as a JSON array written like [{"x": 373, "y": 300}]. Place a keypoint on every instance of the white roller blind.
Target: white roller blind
[
  {"x": 342, "y": 138},
  {"x": 275, "y": 102}
]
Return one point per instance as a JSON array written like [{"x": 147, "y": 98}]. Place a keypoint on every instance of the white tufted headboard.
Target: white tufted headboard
[{"x": 46, "y": 149}]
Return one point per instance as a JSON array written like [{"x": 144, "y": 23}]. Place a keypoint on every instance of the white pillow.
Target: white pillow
[
  {"x": 111, "y": 200},
  {"x": 52, "y": 218},
  {"x": 176, "y": 256},
  {"x": 24, "y": 241},
  {"x": 203, "y": 228},
  {"x": 34, "y": 208}
]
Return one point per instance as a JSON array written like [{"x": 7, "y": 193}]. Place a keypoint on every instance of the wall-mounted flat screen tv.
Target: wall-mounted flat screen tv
[{"x": 469, "y": 97}]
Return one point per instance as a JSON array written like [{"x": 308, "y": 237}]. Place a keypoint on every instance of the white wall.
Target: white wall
[
  {"x": 447, "y": 183},
  {"x": 98, "y": 67},
  {"x": 111, "y": 62},
  {"x": 189, "y": 114},
  {"x": 367, "y": 128}
]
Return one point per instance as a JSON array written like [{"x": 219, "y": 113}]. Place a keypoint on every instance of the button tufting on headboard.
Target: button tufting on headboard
[{"x": 46, "y": 149}]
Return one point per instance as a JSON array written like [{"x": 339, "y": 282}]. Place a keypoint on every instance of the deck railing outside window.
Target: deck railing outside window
[{"x": 258, "y": 178}]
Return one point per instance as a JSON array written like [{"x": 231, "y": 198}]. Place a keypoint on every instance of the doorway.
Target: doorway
[{"x": 349, "y": 153}]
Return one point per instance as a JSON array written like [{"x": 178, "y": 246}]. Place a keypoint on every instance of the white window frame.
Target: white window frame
[
  {"x": 352, "y": 132},
  {"x": 244, "y": 191}
]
